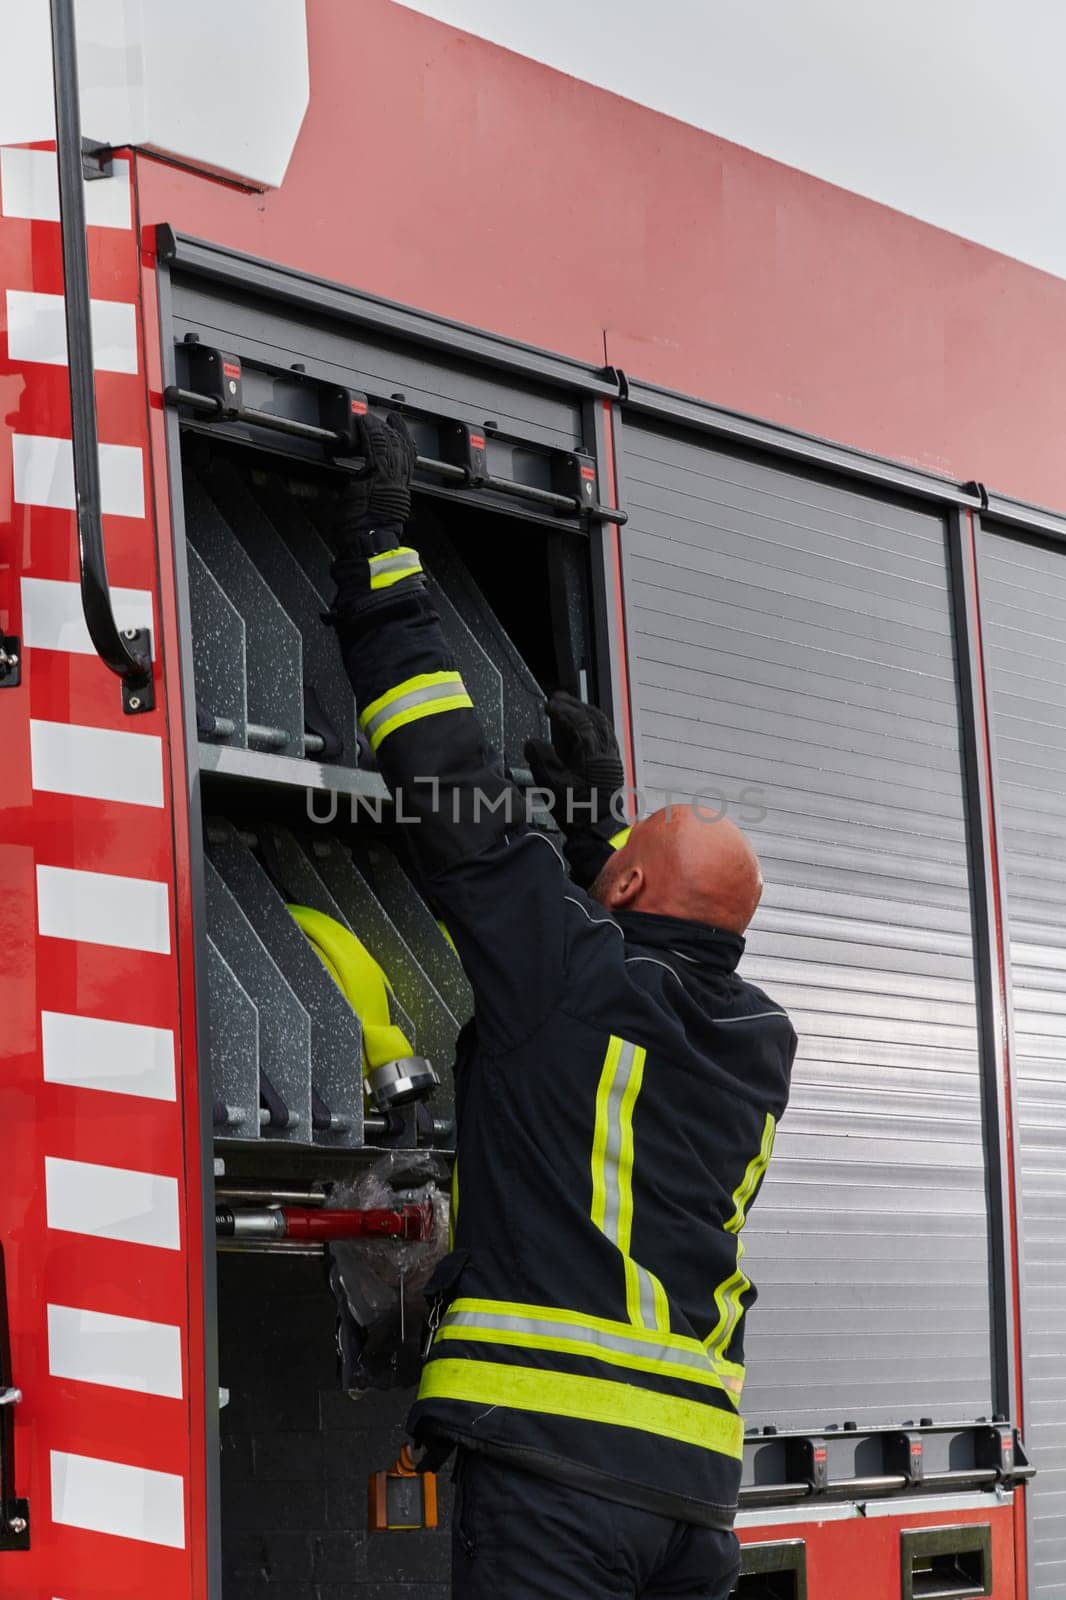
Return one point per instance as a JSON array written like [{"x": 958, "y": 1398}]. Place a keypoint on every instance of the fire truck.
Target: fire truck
[{"x": 763, "y": 467}]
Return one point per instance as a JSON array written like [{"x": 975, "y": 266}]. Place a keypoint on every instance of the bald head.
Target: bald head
[{"x": 679, "y": 863}]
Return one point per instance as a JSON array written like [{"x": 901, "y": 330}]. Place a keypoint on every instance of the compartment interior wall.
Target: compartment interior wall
[{"x": 296, "y": 1451}]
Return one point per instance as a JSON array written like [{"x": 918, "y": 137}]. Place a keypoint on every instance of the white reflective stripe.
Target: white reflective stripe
[
  {"x": 120, "y": 1352},
  {"x": 651, "y": 960},
  {"x": 612, "y": 1155},
  {"x": 112, "y": 1497},
  {"x": 98, "y": 763},
  {"x": 695, "y": 1360},
  {"x": 421, "y": 701},
  {"x": 754, "y": 1016},
  {"x": 98, "y": 1053},
  {"x": 103, "y": 908},
  {"x": 53, "y": 619},
  {"x": 392, "y": 565},
  {"x": 37, "y": 331},
  {"x": 392, "y": 560},
  {"x": 29, "y": 187},
  {"x": 597, "y": 922},
  {"x": 112, "y": 1203},
  {"x": 612, "y": 1209},
  {"x": 44, "y": 475}
]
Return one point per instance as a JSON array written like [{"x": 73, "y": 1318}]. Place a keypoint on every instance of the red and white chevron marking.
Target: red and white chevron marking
[{"x": 94, "y": 1212}]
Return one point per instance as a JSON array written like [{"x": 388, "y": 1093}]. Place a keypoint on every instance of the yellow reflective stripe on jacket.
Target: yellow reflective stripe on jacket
[
  {"x": 562, "y": 1394},
  {"x": 392, "y": 565},
  {"x": 728, "y": 1295},
  {"x": 422, "y": 696},
  {"x": 597, "y": 1339},
  {"x": 619, "y": 841},
  {"x": 612, "y": 1177}
]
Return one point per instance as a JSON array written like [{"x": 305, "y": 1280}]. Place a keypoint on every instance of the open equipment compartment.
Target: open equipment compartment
[{"x": 295, "y": 813}]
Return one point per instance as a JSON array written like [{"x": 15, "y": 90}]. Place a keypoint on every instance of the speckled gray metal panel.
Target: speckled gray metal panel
[
  {"x": 219, "y": 656},
  {"x": 435, "y": 1027},
  {"x": 289, "y": 516},
  {"x": 322, "y": 665},
  {"x": 234, "y": 1049},
  {"x": 523, "y": 698},
  {"x": 336, "y": 1034},
  {"x": 274, "y": 652},
  {"x": 284, "y": 1026},
  {"x": 416, "y": 925},
  {"x": 481, "y": 675},
  {"x": 1023, "y": 622},
  {"x": 307, "y": 545},
  {"x": 791, "y": 651}
]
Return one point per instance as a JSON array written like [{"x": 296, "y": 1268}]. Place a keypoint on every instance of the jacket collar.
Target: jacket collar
[{"x": 695, "y": 941}]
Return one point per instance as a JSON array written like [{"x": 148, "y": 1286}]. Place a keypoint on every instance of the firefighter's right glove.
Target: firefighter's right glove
[
  {"x": 378, "y": 501},
  {"x": 582, "y": 768}
]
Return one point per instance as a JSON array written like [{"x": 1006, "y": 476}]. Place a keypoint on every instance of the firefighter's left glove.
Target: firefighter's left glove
[
  {"x": 375, "y": 572},
  {"x": 581, "y": 767},
  {"x": 379, "y": 499}
]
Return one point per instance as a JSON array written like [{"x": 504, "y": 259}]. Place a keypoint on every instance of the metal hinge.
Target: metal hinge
[
  {"x": 10, "y": 662},
  {"x": 14, "y": 1513}
]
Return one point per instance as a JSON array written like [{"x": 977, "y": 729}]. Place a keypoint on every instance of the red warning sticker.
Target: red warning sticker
[
  {"x": 359, "y": 408},
  {"x": 231, "y": 369},
  {"x": 477, "y": 441},
  {"x": 589, "y": 473}
]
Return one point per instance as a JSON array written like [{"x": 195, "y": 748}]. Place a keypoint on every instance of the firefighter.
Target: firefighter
[{"x": 617, "y": 1095}]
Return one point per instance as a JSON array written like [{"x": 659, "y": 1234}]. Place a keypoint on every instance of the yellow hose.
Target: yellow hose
[{"x": 361, "y": 981}]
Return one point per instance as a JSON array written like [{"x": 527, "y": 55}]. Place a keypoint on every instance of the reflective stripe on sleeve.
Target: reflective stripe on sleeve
[
  {"x": 728, "y": 1295},
  {"x": 618, "y": 841},
  {"x": 612, "y": 1177},
  {"x": 572, "y": 1333},
  {"x": 562, "y": 1394},
  {"x": 392, "y": 565},
  {"x": 421, "y": 696}
]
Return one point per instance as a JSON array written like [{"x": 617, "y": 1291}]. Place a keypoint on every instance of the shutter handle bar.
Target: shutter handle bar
[
  {"x": 126, "y": 652},
  {"x": 212, "y": 409},
  {"x": 14, "y": 1513}
]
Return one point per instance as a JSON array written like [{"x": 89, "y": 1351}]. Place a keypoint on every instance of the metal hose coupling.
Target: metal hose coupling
[{"x": 396, "y": 1083}]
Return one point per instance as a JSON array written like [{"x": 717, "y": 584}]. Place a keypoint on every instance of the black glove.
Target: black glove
[
  {"x": 381, "y": 495},
  {"x": 582, "y": 766}
]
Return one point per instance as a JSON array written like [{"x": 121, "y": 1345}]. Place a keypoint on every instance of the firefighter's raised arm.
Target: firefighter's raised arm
[{"x": 499, "y": 884}]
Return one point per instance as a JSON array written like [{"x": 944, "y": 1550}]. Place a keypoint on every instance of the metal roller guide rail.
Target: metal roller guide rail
[{"x": 210, "y": 406}]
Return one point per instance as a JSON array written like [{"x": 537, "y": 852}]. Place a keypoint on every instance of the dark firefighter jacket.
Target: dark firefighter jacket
[{"x": 617, "y": 1097}]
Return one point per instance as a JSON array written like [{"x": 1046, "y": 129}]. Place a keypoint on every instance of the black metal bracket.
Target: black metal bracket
[
  {"x": 10, "y": 661},
  {"x": 860, "y": 1464},
  {"x": 117, "y": 650},
  {"x": 977, "y": 488},
  {"x": 97, "y": 160},
  {"x": 138, "y": 694},
  {"x": 618, "y": 376},
  {"x": 218, "y": 397},
  {"x": 14, "y": 1513}
]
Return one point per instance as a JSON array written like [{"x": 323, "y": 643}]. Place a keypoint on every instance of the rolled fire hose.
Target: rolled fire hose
[{"x": 394, "y": 1075}]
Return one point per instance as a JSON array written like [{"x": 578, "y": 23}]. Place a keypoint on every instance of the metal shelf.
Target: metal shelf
[{"x": 262, "y": 766}]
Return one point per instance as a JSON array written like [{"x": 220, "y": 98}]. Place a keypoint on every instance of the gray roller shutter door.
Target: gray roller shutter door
[
  {"x": 792, "y": 636},
  {"x": 1023, "y": 610}
]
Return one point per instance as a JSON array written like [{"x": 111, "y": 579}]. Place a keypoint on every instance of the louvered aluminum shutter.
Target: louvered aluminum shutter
[
  {"x": 1023, "y": 609},
  {"x": 791, "y": 647}
]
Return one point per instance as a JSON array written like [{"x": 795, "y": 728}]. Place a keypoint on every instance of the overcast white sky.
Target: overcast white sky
[{"x": 951, "y": 110}]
